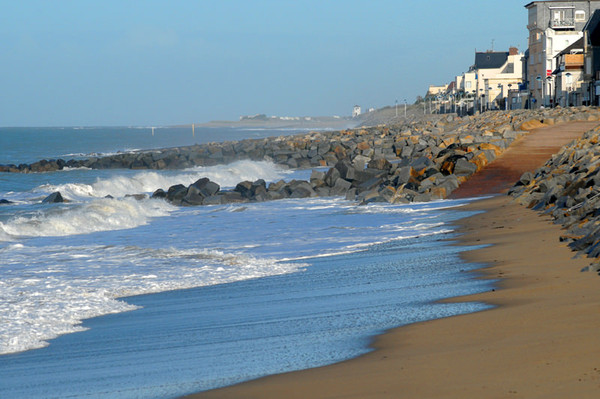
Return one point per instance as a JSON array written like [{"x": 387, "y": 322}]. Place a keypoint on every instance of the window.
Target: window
[
  {"x": 579, "y": 16},
  {"x": 468, "y": 85}
]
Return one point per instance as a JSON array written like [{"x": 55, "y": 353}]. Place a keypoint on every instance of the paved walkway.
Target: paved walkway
[{"x": 526, "y": 154}]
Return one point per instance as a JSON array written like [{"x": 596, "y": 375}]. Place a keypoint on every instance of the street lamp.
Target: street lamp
[
  {"x": 568, "y": 76},
  {"x": 539, "y": 79},
  {"x": 550, "y": 101},
  {"x": 481, "y": 102},
  {"x": 405, "y": 108},
  {"x": 508, "y": 95}
]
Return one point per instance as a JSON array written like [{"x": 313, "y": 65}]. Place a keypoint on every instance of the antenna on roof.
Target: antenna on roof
[{"x": 493, "y": 44}]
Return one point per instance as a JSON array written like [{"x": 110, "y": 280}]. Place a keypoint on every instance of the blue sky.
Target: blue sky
[{"x": 92, "y": 62}]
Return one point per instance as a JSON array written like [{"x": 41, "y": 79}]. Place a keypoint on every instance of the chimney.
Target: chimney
[{"x": 513, "y": 51}]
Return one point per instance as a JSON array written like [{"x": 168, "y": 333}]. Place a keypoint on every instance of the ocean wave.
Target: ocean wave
[
  {"x": 98, "y": 215},
  {"x": 149, "y": 181},
  {"x": 54, "y": 300}
]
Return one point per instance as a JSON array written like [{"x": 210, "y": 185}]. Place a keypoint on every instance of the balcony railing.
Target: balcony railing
[{"x": 565, "y": 23}]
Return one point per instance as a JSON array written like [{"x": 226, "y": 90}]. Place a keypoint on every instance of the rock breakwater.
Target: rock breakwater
[
  {"x": 419, "y": 161},
  {"x": 421, "y": 167},
  {"x": 314, "y": 149}
]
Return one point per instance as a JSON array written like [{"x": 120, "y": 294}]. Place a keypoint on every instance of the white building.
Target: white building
[
  {"x": 356, "y": 111},
  {"x": 553, "y": 26},
  {"x": 491, "y": 77}
]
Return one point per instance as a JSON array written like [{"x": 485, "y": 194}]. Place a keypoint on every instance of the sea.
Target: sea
[{"x": 126, "y": 298}]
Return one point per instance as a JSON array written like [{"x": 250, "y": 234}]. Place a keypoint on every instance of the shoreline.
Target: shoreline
[{"x": 538, "y": 340}]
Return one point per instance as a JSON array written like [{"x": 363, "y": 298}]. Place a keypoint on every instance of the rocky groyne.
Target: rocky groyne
[
  {"x": 567, "y": 187},
  {"x": 317, "y": 149},
  {"x": 395, "y": 167},
  {"x": 419, "y": 161}
]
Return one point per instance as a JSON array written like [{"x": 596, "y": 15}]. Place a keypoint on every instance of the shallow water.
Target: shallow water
[{"x": 238, "y": 291}]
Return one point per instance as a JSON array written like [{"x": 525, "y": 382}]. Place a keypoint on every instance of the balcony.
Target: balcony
[
  {"x": 564, "y": 23},
  {"x": 573, "y": 61}
]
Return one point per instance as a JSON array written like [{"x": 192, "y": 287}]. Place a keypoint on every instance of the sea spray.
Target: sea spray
[
  {"x": 121, "y": 184},
  {"x": 83, "y": 218}
]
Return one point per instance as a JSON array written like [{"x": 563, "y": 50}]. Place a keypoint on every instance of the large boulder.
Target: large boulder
[
  {"x": 176, "y": 193},
  {"x": 53, "y": 198},
  {"x": 464, "y": 167},
  {"x": 205, "y": 187}
]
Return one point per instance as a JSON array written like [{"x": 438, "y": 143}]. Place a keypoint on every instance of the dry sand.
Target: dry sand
[{"x": 541, "y": 341}]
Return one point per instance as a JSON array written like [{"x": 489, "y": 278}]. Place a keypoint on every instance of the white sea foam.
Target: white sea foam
[
  {"x": 97, "y": 215},
  {"x": 49, "y": 284},
  {"x": 149, "y": 181},
  {"x": 76, "y": 283}
]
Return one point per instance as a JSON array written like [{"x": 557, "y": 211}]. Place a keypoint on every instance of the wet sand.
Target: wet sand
[{"x": 541, "y": 341}]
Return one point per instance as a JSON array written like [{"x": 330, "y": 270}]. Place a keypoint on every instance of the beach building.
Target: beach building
[
  {"x": 591, "y": 45},
  {"x": 356, "y": 111},
  {"x": 436, "y": 90},
  {"x": 569, "y": 76},
  {"x": 490, "y": 78},
  {"x": 553, "y": 26}
]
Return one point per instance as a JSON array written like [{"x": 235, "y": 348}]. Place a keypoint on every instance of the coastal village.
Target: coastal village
[{"x": 560, "y": 67}]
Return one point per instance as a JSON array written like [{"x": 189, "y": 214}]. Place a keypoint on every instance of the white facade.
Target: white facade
[
  {"x": 490, "y": 86},
  {"x": 553, "y": 26},
  {"x": 543, "y": 62},
  {"x": 356, "y": 111}
]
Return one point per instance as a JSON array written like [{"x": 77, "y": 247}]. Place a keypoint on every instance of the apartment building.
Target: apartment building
[
  {"x": 553, "y": 26},
  {"x": 490, "y": 78}
]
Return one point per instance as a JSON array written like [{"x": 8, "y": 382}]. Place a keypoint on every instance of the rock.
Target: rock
[
  {"x": 160, "y": 193},
  {"x": 244, "y": 188},
  {"x": 464, "y": 168},
  {"x": 53, "y": 198},
  {"x": 380, "y": 164},
  {"x": 193, "y": 196},
  {"x": 371, "y": 184},
  {"x": 351, "y": 194},
  {"x": 176, "y": 193},
  {"x": 5, "y": 202},
  {"x": 317, "y": 175},
  {"x": 332, "y": 175},
  {"x": 341, "y": 187},
  {"x": 301, "y": 190},
  {"x": 216, "y": 200},
  {"x": 205, "y": 187}
]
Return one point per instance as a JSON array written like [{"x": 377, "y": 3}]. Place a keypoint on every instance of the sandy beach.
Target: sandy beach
[{"x": 540, "y": 341}]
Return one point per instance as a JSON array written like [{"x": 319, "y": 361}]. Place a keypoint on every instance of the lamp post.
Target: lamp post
[
  {"x": 396, "y": 108},
  {"x": 508, "y": 95},
  {"x": 481, "y": 102},
  {"x": 501, "y": 92},
  {"x": 539, "y": 79},
  {"x": 550, "y": 101},
  {"x": 405, "y": 108},
  {"x": 568, "y": 76}
]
